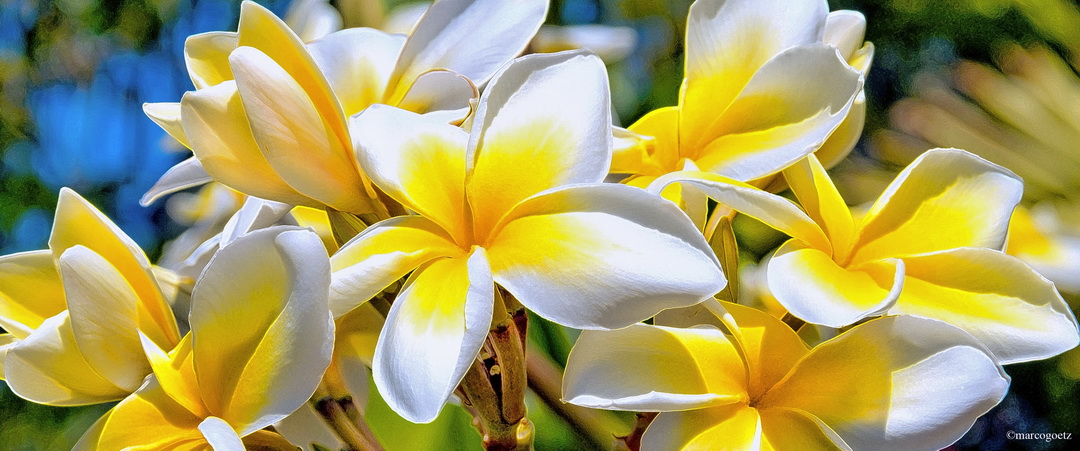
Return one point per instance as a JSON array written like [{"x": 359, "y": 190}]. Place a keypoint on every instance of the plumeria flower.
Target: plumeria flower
[
  {"x": 75, "y": 311},
  {"x": 761, "y": 90},
  {"x": 897, "y": 382},
  {"x": 261, "y": 338},
  {"x": 518, "y": 202},
  {"x": 268, "y": 117},
  {"x": 930, "y": 246}
]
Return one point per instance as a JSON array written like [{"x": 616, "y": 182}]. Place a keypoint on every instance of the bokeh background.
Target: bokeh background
[{"x": 997, "y": 77}]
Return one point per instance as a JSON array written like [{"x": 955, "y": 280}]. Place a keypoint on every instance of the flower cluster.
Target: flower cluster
[{"x": 406, "y": 198}]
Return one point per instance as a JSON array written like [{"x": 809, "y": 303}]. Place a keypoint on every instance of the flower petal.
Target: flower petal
[
  {"x": 167, "y": 116},
  {"x": 845, "y": 30},
  {"x": 1013, "y": 310},
  {"x": 441, "y": 94},
  {"x": 7, "y": 341},
  {"x": 793, "y": 429},
  {"x": 312, "y": 19},
  {"x": 30, "y": 291},
  {"x": 295, "y": 140},
  {"x": 207, "y": 57},
  {"x": 215, "y": 122},
  {"x": 261, "y": 29},
  {"x": 737, "y": 427},
  {"x": 654, "y": 368},
  {"x": 946, "y": 198},
  {"x": 819, "y": 198},
  {"x": 418, "y": 161},
  {"x": 471, "y": 37},
  {"x": 357, "y": 62},
  {"x": 602, "y": 256},
  {"x": 432, "y": 335},
  {"x": 898, "y": 382},
  {"x": 183, "y": 175},
  {"x": 810, "y": 285},
  {"x": 381, "y": 254},
  {"x": 775, "y": 211},
  {"x": 544, "y": 122},
  {"x": 660, "y": 153},
  {"x": 262, "y": 301},
  {"x": 149, "y": 419},
  {"x": 788, "y": 110},
  {"x": 104, "y": 310},
  {"x": 727, "y": 42},
  {"x": 77, "y": 222},
  {"x": 220, "y": 435},
  {"x": 47, "y": 368},
  {"x": 769, "y": 346}
]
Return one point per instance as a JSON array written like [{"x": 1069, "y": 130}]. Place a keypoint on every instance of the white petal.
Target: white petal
[
  {"x": 432, "y": 335},
  {"x": 104, "y": 311},
  {"x": 184, "y": 175},
  {"x": 357, "y": 62},
  {"x": 382, "y": 254},
  {"x": 262, "y": 301},
  {"x": 899, "y": 382},
  {"x": 220, "y": 435},
  {"x": 602, "y": 256},
  {"x": 654, "y": 368},
  {"x": 470, "y": 37},
  {"x": 543, "y": 122}
]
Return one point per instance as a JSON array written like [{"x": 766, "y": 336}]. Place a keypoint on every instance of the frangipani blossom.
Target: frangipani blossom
[
  {"x": 898, "y": 382},
  {"x": 517, "y": 201},
  {"x": 261, "y": 338},
  {"x": 269, "y": 114},
  {"x": 77, "y": 309},
  {"x": 761, "y": 91},
  {"x": 930, "y": 246}
]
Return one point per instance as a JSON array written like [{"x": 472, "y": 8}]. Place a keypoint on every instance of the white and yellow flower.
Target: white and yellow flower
[
  {"x": 898, "y": 382},
  {"x": 261, "y": 338},
  {"x": 930, "y": 246},
  {"x": 518, "y": 202},
  {"x": 763, "y": 87},
  {"x": 269, "y": 116},
  {"x": 74, "y": 312}
]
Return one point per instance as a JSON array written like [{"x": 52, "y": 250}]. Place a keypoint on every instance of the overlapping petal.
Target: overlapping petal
[
  {"x": 586, "y": 256},
  {"x": 298, "y": 143},
  {"x": 432, "y": 335},
  {"x": 810, "y": 285},
  {"x": 220, "y": 135},
  {"x": 727, "y": 42},
  {"x": 736, "y": 426},
  {"x": 945, "y": 199},
  {"x": 167, "y": 116},
  {"x": 185, "y": 174},
  {"x": 207, "y": 57},
  {"x": 383, "y": 253},
  {"x": 30, "y": 291},
  {"x": 104, "y": 312},
  {"x": 416, "y": 160},
  {"x": 471, "y": 37},
  {"x": 655, "y": 368},
  {"x": 776, "y": 211},
  {"x": 896, "y": 382},
  {"x": 46, "y": 367},
  {"x": 786, "y": 111},
  {"x": 78, "y": 223},
  {"x": 525, "y": 140},
  {"x": 357, "y": 63},
  {"x": 1010, "y": 308},
  {"x": 261, "y": 298}
]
